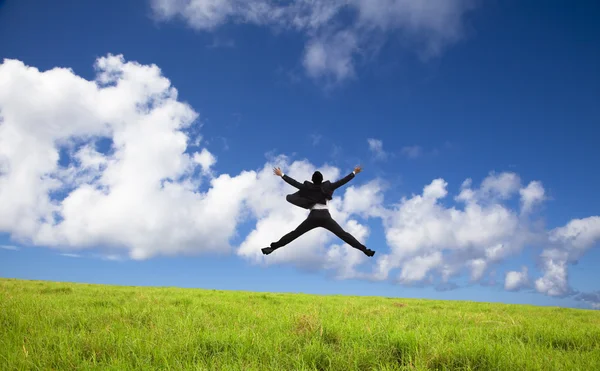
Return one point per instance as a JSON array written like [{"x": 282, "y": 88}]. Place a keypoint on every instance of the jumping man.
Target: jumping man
[{"x": 314, "y": 196}]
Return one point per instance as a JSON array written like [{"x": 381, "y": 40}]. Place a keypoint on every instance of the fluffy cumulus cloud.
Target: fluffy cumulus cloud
[
  {"x": 137, "y": 195},
  {"x": 425, "y": 236},
  {"x": 566, "y": 245},
  {"x": 337, "y": 31},
  {"x": 108, "y": 163},
  {"x": 331, "y": 56},
  {"x": 531, "y": 195},
  {"x": 515, "y": 280},
  {"x": 430, "y": 240},
  {"x": 205, "y": 159}
]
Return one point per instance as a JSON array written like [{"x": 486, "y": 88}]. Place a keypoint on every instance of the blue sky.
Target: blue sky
[{"x": 516, "y": 92}]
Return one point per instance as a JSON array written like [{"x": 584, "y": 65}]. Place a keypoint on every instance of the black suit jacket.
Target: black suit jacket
[{"x": 310, "y": 194}]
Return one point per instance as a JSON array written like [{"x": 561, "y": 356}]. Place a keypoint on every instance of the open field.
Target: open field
[{"x": 48, "y": 325}]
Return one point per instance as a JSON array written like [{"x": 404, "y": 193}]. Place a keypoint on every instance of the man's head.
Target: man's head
[{"x": 317, "y": 177}]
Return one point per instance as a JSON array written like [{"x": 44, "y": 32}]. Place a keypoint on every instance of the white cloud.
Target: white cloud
[
  {"x": 531, "y": 195},
  {"x": 209, "y": 14},
  {"x": 424, "y": 235},
  {"x": 494, "y": 188},
  {"x": 478, "y": 267},
  {"x": 434, "y": 24},
  {"x": 333, "y": 43},
  {"x": 365, "y": 200},
  {"x": 486, "y": 231},
  {"x": 376, "y": 146},
  {"x": 567, "y": 244},
  {"x": 554, "y": 281},
  {"x": 68, "y": 255},
  {"x": 9, "y": 247},
  {"x": 205, "y": 159},
  {"x": 89, "y": 158},
  {"x": 502, "y": 185},
  {"x": 515, "y": 280},
  {"x": 331, "y": 56},
  {"x": 417, "y": 267},
  {"x": 578, "y": 235},
  {"x": 141, "y": 197}
]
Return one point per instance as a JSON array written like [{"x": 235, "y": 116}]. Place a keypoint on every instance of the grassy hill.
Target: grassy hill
[{"x": 49, "y": 325}]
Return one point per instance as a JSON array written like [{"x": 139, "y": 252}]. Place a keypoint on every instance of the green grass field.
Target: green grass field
[{"x": 64, "y": 326}]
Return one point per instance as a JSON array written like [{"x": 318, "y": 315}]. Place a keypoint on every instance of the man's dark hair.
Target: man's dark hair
[{"x": 317, "y": 177}]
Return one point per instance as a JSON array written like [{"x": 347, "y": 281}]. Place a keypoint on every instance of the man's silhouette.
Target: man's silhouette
[{"x": 314, "y": 196}]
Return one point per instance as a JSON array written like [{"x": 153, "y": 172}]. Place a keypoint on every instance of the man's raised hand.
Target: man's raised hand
[
  {"x": 277, "y": 171},
  {"x": 357, "y": 169}
]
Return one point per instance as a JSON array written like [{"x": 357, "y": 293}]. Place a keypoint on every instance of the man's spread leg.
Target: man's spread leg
[
  {"x": 336, "y": 229},
  {"x": 308, "y": 224}
]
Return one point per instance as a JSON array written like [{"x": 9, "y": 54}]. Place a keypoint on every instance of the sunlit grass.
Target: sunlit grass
[{"x": 47, "y": 325}]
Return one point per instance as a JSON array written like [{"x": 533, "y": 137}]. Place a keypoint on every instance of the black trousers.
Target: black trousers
[{"x": 319, "y": 218}]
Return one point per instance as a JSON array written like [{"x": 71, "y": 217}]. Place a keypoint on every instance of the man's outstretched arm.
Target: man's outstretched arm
[
  {"x": 291, "y": 181},
  {"x": 347, "y": 178}
]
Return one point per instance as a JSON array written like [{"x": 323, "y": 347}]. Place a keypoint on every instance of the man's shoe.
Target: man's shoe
[
  {"x": 369, "y": 252},
  {"x": 267, "y": 250}
]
